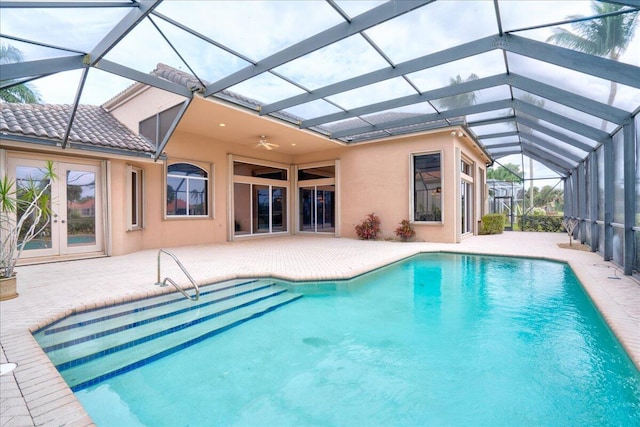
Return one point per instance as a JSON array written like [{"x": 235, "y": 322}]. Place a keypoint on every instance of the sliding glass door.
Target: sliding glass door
[
  {"x": 317, "y": 209},
  {"x": 259, "y": 199},
  {"x": 317, "y": 199},
  {"x": 269, "y": 209}
]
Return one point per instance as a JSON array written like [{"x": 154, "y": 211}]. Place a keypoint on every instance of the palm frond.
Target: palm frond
[{"x": 566, "y": 38}]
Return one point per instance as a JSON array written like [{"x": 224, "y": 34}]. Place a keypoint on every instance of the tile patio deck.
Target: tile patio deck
[{"x": 35, "y": 395}]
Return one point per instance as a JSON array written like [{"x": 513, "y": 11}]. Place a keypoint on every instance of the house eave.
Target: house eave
[{"x": 73, "y": 148}]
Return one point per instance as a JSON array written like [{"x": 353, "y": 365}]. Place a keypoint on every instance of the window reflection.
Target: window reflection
[
  {"x": 81, "y": 208},
  {"x": 26, "y": 177},
  {"x": 427, "y": 188},
  {"x": 187, "y": 190}
]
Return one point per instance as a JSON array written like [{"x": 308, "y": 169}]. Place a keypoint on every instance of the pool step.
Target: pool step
[
  {"x": 89, "y": 326},
  {"x": 128, "y": 308},
  {"x": 157, "y": 329}
]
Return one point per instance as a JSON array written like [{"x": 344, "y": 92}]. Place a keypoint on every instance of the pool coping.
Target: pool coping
[{"x": 35, "y": 394}]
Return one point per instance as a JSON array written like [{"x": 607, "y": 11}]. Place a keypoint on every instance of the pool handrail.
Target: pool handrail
[{"x": 163, "y": 283}]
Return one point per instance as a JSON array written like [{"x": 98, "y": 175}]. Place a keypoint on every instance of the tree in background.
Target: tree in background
[
  {"x": 549, "y": 198},
  {"x": 508, "y": 172},
  {"x": 461, "y": 100},
  {"x": 606, "y": 36},
  {"x": 20, "y": 93}
]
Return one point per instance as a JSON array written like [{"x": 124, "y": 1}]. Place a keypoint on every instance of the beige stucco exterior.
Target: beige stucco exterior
[{"x": 374, "y": 177}]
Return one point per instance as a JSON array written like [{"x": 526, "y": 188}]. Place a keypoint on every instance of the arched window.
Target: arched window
[{"x": 187, "y": 190}]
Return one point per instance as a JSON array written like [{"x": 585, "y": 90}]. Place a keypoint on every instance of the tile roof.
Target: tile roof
[
  {"x": 92, "y": 125},
  {"x": 179, "y": 77}
]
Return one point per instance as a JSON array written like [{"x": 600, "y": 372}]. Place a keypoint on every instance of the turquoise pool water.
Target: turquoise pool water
[{"x": 439, "y": 339}]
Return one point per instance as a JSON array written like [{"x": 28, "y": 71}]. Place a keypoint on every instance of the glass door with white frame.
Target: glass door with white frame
[
  {"x": 316, "y": 199},
  {"x": 317, "y": 209},
  {"x": 260, "y": 204},
  {"x": 75, "y": 200}
]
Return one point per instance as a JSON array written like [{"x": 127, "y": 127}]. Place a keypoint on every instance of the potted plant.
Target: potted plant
[
  {"x": 25, "y": 213},
  {"x": 405, "y": 230}
]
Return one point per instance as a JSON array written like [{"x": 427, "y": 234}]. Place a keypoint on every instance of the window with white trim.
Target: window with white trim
[
  {"x": 135, "y": 192},
  {"x": 427, "y": 187},
  {"x": 187, "y": 190},
  {"x": 466, "y": 196},
  {"x": 155, "y": 128}
]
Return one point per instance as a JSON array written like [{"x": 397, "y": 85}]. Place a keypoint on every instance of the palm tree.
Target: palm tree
[
  {"x": 461, "y": 100},
  {"x": 20, "y": 93},
  {"x": 605, "y": 36}
]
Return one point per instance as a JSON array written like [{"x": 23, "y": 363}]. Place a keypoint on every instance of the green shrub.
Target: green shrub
[
  {"x": 545, "y": 223},
  {"x": 368, "y": 229},
  {"x": 493, "y": 224}
]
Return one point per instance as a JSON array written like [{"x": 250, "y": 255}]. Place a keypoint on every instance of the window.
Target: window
[
  {"x": 187, "y": 190},
  {"x": 466, "y": 206},
  {"x": 135, "y": 190},
  {"x": 322, "y": 172},
  {"x": 156, "y": 127},
  {"x": 466, "y": 167},
  {"x": 483, "y": 192},
  {"x": 260, "y": 171},
  {"x": 427, "y": 187},
  {"x": 466, "y": 196}
]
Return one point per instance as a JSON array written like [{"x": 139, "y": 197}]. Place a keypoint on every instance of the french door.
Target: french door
[{"x": 76, "y": 204}]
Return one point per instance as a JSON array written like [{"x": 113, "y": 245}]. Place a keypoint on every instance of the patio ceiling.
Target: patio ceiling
[{"x": 350, "y": 71}]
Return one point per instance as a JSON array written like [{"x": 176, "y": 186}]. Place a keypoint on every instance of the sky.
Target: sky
[{"x": 256, "y": 29}]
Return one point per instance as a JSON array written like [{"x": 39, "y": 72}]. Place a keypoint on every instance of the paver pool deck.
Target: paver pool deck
[{"x": 34, "y": 394}]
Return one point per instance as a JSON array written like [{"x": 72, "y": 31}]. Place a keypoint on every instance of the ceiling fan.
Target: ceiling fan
[{"x": 263, "y": 143}]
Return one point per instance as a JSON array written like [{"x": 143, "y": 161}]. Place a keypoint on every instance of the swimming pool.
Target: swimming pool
[{"x": 436, "y": 339}]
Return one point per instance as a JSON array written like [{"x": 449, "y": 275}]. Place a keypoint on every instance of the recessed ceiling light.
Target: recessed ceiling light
[
  {"x": 222, "y": 125},
  {"x": 293, "y": 144}
]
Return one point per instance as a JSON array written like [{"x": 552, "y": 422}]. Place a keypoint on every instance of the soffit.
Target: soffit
[{"x": 204, "y": 116}]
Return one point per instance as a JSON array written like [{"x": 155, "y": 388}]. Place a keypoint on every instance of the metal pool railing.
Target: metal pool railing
[{"x": 168, "y": 279}]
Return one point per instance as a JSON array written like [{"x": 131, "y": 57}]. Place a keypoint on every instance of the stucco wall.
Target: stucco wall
[
  {"x": 376, "y": 177},
  {"x": 168, "y": 232}
]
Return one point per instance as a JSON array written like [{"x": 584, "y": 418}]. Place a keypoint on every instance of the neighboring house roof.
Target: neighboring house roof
[
  {"x": 385, "y": 117},
  {"x": 92, "y": 126}
]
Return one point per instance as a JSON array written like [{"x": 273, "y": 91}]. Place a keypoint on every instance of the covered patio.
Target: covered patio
[{"x": 34, "y": 393}]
